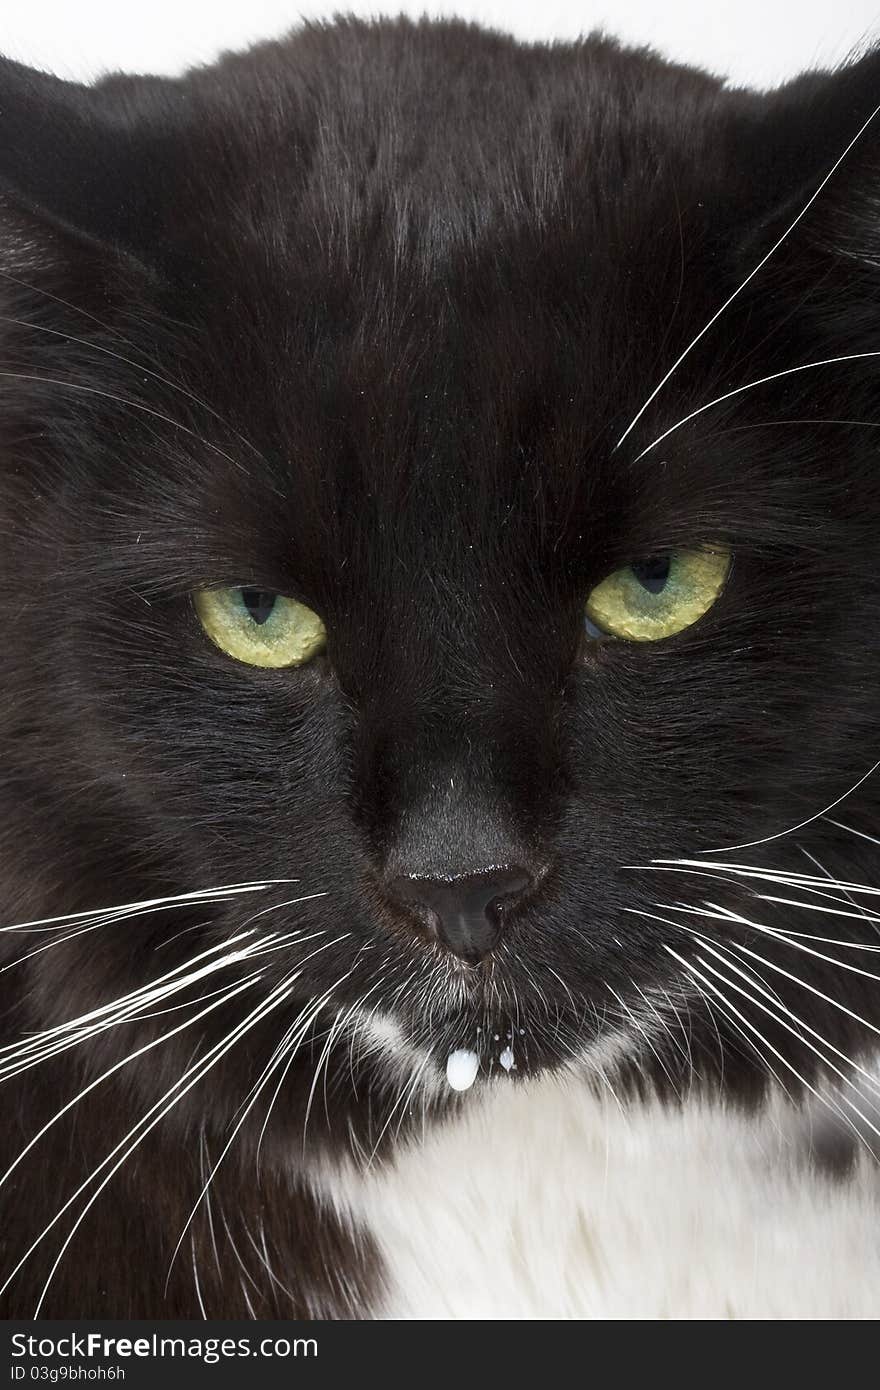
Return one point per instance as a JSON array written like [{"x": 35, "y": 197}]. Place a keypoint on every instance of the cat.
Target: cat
[{"x": 440, "y": 597}]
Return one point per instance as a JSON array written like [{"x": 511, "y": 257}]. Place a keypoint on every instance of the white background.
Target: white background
[{"x": 759, "y": 42}]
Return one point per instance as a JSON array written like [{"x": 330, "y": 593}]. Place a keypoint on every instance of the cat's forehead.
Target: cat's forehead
[
  {"x": 462, "y": 425},
  {"x": 527, "y": 343},
  {"x": 430, "y": 283},
  {"x": 438, "y": 136},
  {"x": 393, "y": 186},
  {"x": 482, "y": 404}
]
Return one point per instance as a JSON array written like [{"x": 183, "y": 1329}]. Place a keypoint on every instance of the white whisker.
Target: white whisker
[
  {"x": 197, "y": 896},
  {"x": 850, "y": 831},
  {"x": 784, "y": 878},
  {"x": 782, "y": 1022},
  {"x": 739, "y": 289},
  {"x": 263, "y": 1257},
  {"x": 177, "y": 1090},
  {"x": 404, "y": 1097},
  {"x": 242, "y": 1266},
  {"x": 758, "y": 982},
  {"x": 68, "y": 1034},
  {"x": 702, "y": 911},
  {"x": 738, "y": 391},
  {"x": 644, "y": 1033},
  {"x": 823, "y": 1100},
  {"x": 719, "y": 1001},
  {"x": 819, "y": 815},
  {"x": 132, "y": 405},
  {"x": 835, "y": 1003},
  {"x": 302, "y": 1023},
  {"x": 777, "y": 934},
  {"x": 203, "y": 1154},
  {"x": 196, "y": 1280},
  {"x": 117, "y": 1066},
  {"x": 139, "y": 367}
]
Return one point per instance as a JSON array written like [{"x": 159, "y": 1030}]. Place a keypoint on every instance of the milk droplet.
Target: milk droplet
[
  {"x": 461, "y": 1069},
  {"x": 506, "y": 1059}
]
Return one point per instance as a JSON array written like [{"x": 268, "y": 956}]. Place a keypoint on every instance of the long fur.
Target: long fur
[{"x": 361, "y": 318}]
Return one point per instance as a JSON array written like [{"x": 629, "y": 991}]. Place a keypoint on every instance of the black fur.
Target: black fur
[{"x": 359, "y": 317}]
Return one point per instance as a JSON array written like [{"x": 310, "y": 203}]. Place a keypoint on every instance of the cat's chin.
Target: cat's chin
[{"x": 475, "y": 1043}]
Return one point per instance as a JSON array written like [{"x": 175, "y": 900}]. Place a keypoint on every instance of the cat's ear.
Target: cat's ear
[
  {"x": 88, "y": 161},
  {"x": 812, "y": 158}
]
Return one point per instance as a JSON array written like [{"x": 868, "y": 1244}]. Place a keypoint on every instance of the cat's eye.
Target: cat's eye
[
  {"x": 658, "y": 596},
  {"x": 259, "y": 627}
]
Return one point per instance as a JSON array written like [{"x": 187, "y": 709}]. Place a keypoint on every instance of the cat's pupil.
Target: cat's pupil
[
  {"x": 259, "y": 603},
  {"x": 653, "y": 573}
]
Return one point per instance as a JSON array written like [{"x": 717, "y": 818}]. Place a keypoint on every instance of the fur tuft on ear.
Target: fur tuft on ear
[
  {"x": 90, "y": 160},
  {"x": 815, "y": 149}
]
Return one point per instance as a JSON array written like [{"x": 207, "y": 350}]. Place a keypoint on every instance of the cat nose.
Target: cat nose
[{"x": 465, "y": 913}]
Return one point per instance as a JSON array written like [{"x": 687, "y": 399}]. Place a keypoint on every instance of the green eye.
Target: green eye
[
  {"x": 259, "y": 627},
  {"x": 655, "y": 598}
]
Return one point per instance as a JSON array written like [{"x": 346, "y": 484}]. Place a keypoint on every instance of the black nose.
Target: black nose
[{"x": 465, "y": 913}]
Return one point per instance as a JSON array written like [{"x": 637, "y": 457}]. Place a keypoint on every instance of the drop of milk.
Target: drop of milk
[
  {"x": 461, "y": 1069},
  {"x": 506, "y": 1059}
]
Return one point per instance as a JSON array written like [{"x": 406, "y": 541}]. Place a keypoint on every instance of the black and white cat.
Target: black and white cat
[{"x": 440, "y": 596}]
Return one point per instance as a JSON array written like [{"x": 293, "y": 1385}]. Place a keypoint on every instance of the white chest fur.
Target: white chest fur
[{"x": 539, "y": 1202}]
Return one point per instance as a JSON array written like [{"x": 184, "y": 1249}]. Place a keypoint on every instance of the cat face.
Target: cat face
[{"x": 361, "y": 376}]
